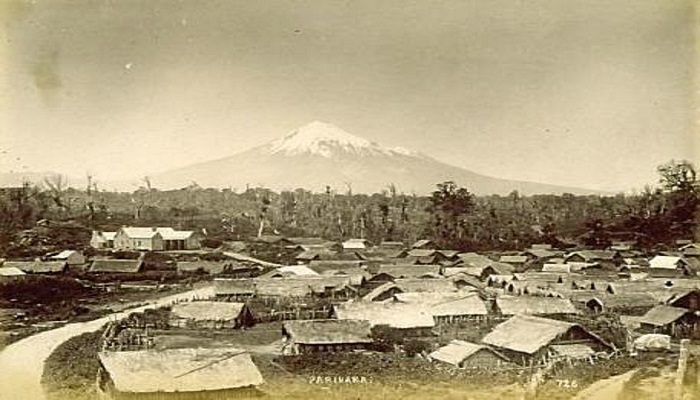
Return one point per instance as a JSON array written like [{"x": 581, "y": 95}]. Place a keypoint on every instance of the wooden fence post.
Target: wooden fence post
[{"x": 680, "y": 373}]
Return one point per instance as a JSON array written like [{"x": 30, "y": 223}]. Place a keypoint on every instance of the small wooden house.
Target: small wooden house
[
  {"x": 382, "y": 292},
  {"x": 534, "y": 305},
  {"x": 356, "y": 244},
  {"x": 423, "y": 244},
  {"x": 234, "y": 289},
  {"x": 689, "y": 299},
  {"x": 468, "y": 355},
  {"x": 327, "y": 335},
  {"x": 213, "y": 373},
  {"x": 627, "y": 303},
  {"x": 116, "y": 266},
  {"x": 211, "y": 315},
  {"x": 674, "y": 321},
  {"x": 406, "y": 318},
  {"x": 70, "y": 257},
  {"x": 528, "y": 340}
]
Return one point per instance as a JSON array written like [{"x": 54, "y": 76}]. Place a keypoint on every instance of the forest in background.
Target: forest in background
[{"x": 451, "y": 216}]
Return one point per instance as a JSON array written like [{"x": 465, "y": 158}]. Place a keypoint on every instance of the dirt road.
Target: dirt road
[
  {"x": 22, "y": 363},
  {"x": 606, "y": 389}
]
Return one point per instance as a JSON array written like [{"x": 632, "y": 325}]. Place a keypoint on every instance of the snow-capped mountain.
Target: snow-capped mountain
[
  {"x": 327, "y": 140},
  {"x": 319, "y": 154}
]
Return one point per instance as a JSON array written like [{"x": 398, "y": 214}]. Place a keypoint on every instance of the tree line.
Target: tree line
[{"x": 450, "y": 215}]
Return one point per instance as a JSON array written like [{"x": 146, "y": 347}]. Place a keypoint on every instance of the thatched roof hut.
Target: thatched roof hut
[
  {"x": 459, "y": 353},
  {"x": 534, "y": 305},
  {"x": 192, "y": 371}
]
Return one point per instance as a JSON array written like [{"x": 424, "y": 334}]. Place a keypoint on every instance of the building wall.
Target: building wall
[
  {"x": 97, "y": 241},
  {"x": 483, "y": 359},
  {"x": 123, "y": 242},
  {"x": 75, "y": 259}
]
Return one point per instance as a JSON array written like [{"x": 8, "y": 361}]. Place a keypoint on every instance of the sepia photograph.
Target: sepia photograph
[{"x": 349, "y": 199}]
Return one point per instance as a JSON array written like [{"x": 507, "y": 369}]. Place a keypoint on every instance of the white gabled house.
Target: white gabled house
[
  {"x": 102, "y": 240},
  {"x": 146, "y": 238},
  {"x": 70, "y": 257}
]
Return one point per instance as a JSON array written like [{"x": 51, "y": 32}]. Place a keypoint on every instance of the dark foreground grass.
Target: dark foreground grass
[{"x": 70, "y": 371}]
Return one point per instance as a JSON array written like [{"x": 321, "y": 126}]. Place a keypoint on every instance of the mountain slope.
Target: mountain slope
[{"x": 320, "y": 154}]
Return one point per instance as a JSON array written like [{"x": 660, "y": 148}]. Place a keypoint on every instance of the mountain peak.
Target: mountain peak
[{"x": 321, "y": 138}]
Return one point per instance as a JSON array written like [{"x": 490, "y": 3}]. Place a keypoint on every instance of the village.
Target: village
[{"x": 536, "y": 318}]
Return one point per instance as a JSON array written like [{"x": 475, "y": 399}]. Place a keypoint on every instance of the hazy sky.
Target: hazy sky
[{"x": 590, "y": 93}]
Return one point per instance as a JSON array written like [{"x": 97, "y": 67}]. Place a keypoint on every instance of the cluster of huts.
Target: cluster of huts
[{"x": 415, "y": 290}]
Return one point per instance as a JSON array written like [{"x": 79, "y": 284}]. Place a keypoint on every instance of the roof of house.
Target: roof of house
[
  {"x": 559, "y": 268},
  {"x": 64, "y": 255},
  {"x": 207, "y": 310},
  {"x": 501, "y": 268},
  {"x": 283, "y": 287},
  {"x": 180, "y": 370},
  {"x": 448, "y": 253},
  {"x": 248, "y": 259},
  {"x": 383, "y": 288},
  {"x": 593, "y": 255},
  {"x": 526, "y": 334},
  {"x": 11, "y": 271},
  {"x": 513, "y": 259},
  {"x": 468, "y": 279},
  {"x": 291, "y": 270},
  {"x": 234, "y": 245},
  {"x": 390, "y": 244},
  {"x": 324, "y": 265},
  {"x": 212, "y": 267},
  {"x": 141, "y": 232},
  {"x": 677, "y": 296},
  {"x": 458, "y": 350},
  {"x": 333, "y": 282},
  {"x": 472, "y": 271},
  {"x": 328, "y": 331},
  {"x": 421, "y": 243},
  {"x": 421, "y": 253},
  {"x": 499, "y": 278},
  {"x": 543, "y": 276},
  {"x": 667, "y": 262},
  {"x": 104, "y": 235},
  {"x": 534, "y": 305},
  {"x": 662, "y": 315},
  {"x": 540, "y": 253},
  {"x": 475, "y": 260},
  {"x": 171, "y": 234},
  {"x": 308, "y": 240},
  {"x": 355, "y": 244},
  {"x": 271, "y": 239},
  {"x": 37, "y": 267},
  {"x": 626, "y": 300},
  {"x": 308, "y": 255},
  {"x": 234, "y": 286},
  {"x": 356, "y": 275},
  {"x": 396, "y": 315},
  {"x": 426, "y": 285},
  {"x": 470, "y": 304},
  {"x": 409, "y": 270},
  {"x": 124, "y": 266}
]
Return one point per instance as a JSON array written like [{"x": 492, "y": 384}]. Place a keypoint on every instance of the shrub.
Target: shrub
[{"x": 415, "y": 346}]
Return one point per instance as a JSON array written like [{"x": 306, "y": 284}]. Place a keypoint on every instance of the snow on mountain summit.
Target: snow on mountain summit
[{"x": 323, "y": 139}]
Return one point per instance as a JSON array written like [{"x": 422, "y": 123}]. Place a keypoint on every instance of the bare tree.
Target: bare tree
[{"x": 56, "y": 189}]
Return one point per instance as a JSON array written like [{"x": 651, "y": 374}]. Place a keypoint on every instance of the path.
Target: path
[
  {"x": 22, "y": 363},
  {"x": 606, "y": 389}
]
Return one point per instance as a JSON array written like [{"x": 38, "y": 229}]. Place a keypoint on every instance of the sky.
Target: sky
[{"x": 587, "y": 93}]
